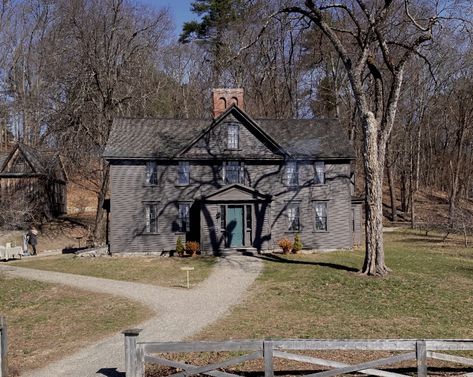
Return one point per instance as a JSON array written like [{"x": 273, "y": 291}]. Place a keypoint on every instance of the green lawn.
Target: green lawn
[
  {"x": 429, "y": 294},
  {"x": 152, "y": 270},
  {"x": 47, "y": 322}
]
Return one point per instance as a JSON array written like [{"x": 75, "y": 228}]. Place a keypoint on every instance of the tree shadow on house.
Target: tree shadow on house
[{"x": 278, "y": 259}]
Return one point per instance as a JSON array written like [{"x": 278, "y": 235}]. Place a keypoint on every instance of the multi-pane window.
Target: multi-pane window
[
  {"x": 183, "y": 217},
  {"x": 319, "y": 177},
  {"x": 320, "y": 216},
  {"x": 223, "y": 218},
  {"x": 151, "y": 173},
  {"x": 291, "y": 175},
  {"x": 233, "y": 172},
  {"x": 248, "y": 217},
  {"x": 151, "y": 218},
  {"x": 183, "y": 173},
  {"x": 233, "y": 136},
  {"x": 293, "y": 218}
]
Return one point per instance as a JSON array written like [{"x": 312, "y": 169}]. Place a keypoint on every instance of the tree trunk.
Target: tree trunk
[
  {"x": 455, "y": 175},
  {"x": 374, "y": 168},
  {"x": 392, "y": 188},
  {"x": 100, "y": 225},
  {"x": 403, "y": 191}
]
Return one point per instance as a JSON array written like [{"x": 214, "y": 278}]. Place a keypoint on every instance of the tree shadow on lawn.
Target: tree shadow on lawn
[
  {"x": 426, "y": 240},
  {"x": 110, "y": 372},
  {"x": 278, "y": 259}
]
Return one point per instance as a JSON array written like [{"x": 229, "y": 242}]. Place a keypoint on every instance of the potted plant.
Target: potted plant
[
  {"x": 180, "y": 249},
  {"x": 285, "y": 245},
  {"x": 297, "y": 244},
  {"x": 192, "y": 247}
]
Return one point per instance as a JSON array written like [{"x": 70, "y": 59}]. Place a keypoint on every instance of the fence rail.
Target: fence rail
[
  {"x": 137, "y": 354},
  {"x": 3, "y": 347}
]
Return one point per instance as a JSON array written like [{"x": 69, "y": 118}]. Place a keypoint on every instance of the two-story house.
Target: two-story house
[{"x": 230, "y": 182}]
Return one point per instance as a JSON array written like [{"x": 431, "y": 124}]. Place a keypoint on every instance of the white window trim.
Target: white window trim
[
  {"x": 147, "y": 212},
  {"x": 293, "y": 206},
  {"x": 186, "y": 166},
  {"x": 319, "y": 167},
  {"x": 326, "y": 203},
  {"x": 186, "y": 205},
  {"x": 233, "y": 136},
  {"x": 151, "y": 171},
  {"x": 240, "y": 171},
  {"x": 293, "y": 180}
]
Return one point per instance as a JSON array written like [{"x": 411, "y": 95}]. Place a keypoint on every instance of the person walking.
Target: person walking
[{"x": 33, "y": 239}]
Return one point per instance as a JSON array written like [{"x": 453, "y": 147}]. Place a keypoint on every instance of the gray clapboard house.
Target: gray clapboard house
[{"x": 230, "y": 182}]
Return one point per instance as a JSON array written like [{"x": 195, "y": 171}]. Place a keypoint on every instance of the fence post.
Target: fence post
[
  {"x": 3, "y": 347},
  {"x": 131, "y": 361},
  {"x": 421, "y": 356},
  {"x": 268, "y": 358}
]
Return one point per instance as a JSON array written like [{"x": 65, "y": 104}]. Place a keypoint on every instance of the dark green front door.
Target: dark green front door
[{"x": 235, "y": 226}]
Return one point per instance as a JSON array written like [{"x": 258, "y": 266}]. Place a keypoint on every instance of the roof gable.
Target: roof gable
[
  {"x": 253, "y": 141},
  {"x": 237, "y": 192},
  {"x": 25, "y": 160},
  {"x": 17, "y": 162},
  {"x": 307, "y": 139}
]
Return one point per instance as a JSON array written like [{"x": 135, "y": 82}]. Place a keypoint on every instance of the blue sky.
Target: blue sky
[{"x": 180, "y": 10}]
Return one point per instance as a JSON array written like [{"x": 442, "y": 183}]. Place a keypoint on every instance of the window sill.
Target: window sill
[
  {"x": 180, "y": 233},
  {"x": 233, "y": 149},
  {"x": 150, "y": 233},
  {"x": 320, "y": 231}
]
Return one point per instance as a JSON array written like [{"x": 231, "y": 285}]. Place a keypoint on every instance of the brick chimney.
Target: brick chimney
[{"x": 224, "y": 98}]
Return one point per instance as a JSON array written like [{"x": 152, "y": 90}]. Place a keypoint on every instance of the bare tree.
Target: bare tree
[
  {"x": 99, "y": 75},
  {"x": 374, "y": 54}
]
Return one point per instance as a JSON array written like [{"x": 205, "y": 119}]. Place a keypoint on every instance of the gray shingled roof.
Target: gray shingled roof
[
  {"x": 146, "y": 138},
  {"x": 45, "y": 162},
  {"x": 3, "y": 157},
  {"x": 309, "y": 137},
  {"x": 165, "y": 138}
]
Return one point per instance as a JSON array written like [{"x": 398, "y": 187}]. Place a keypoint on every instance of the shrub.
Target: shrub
[
  {"x": 297, "y": 244},
  {"x": 285, "y": 245},
  {"x": 192, "y": 247},
  {"x": 180, "y": 249}
]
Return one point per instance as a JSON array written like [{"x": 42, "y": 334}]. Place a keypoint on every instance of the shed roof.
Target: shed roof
[
  {"x": 146, "y": 138},
  {"x": 42, "y": 161}
]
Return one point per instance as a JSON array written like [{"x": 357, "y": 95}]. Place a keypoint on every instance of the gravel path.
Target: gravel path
[{"x": 204, "y": 304}]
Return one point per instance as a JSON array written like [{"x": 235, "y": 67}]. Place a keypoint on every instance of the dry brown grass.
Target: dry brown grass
[
  {"x": 47, "y": 322},
  {"x": 162, "y": 271}
]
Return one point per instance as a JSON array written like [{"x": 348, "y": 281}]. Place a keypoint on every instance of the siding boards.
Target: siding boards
[{"x": 129, "y": 193}]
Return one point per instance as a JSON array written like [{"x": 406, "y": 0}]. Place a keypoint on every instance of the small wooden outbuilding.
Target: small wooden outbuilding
[{"x": 33, "y": 179}]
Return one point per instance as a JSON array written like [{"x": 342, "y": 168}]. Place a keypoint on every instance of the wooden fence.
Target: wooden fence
[
  {"x": 137, "y": 354},
  {"x": 3, "y": 347}
]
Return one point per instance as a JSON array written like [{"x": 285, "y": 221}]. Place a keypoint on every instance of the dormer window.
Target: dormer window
[
  {"x": 233, "y": 136},
  {"x": 151, "y": 173},
  {"x": 319, "y": 177}
]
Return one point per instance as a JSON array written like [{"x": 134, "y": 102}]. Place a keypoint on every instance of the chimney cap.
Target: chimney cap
[{"x": 223, "y": 98}]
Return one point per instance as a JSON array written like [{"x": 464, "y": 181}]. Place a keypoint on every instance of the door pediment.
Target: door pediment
[{"x": 237, "y": 192}]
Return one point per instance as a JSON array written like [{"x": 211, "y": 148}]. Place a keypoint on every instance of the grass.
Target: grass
[
  {"x": 428, "y": 295},
  {"x": 152, "y": 270},
  {"x": 47, "y": 322}
]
